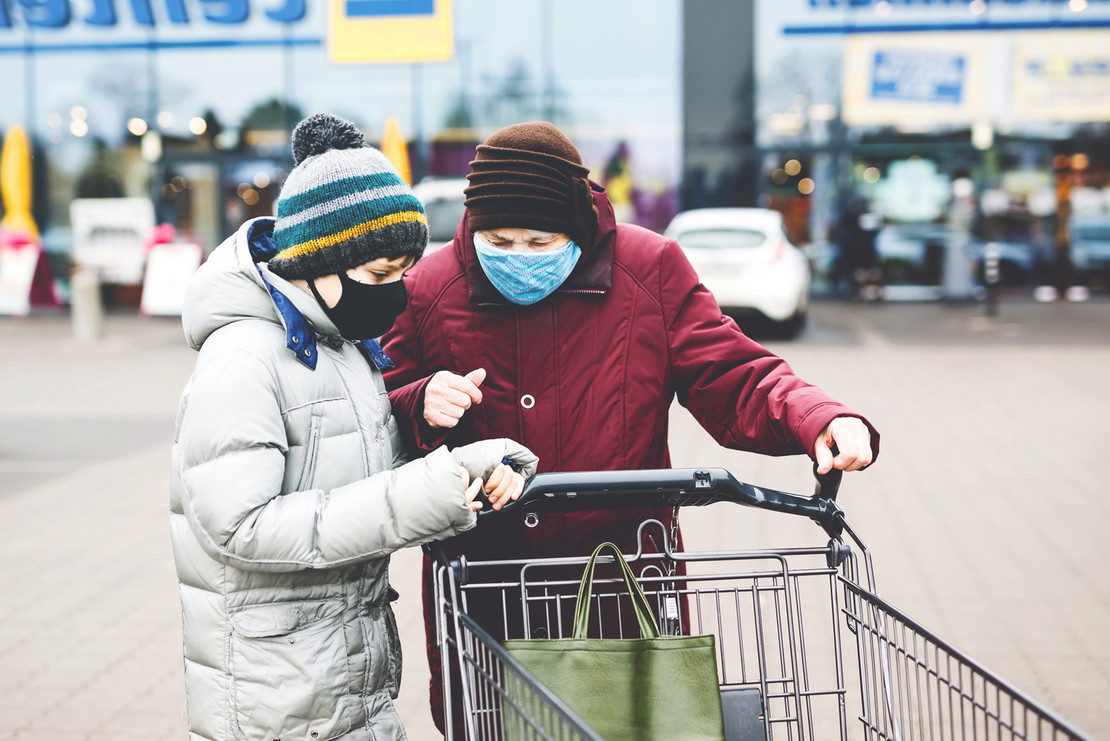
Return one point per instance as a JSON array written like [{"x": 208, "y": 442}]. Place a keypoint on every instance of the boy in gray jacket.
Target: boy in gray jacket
[{"x": 289, "y": 488}]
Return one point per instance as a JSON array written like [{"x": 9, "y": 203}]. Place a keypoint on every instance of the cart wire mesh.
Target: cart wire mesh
[
  {"x": 501, "y": 699},
  {"x": 916, "y": 686}
]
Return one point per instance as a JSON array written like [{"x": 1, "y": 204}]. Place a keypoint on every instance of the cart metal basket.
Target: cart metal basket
[{"x": 807, "y": 650}]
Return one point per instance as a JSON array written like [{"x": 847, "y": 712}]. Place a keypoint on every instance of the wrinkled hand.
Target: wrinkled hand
[
  {"x": 448, "y": 395},
  {"x": 853, "y": 441}
]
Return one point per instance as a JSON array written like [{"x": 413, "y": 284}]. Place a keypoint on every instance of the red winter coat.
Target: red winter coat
[{"x": 585, "y": 377}]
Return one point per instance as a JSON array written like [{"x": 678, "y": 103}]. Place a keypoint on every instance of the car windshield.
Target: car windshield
[
  {"x": 720, "y": 239},
  {"x": 1093, "y": 232}
]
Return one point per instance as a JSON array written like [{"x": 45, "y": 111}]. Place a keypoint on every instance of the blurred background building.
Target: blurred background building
[{"x": 966, "y": 123}]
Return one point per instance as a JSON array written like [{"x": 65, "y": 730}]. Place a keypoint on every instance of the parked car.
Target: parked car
[
  {"x": 443, "y": 204},
  {"x": 744, "y": 257},
  {"x": 1090, "y": 245}
]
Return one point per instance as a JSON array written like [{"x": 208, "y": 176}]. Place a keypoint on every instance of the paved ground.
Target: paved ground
[{"x": 987, "y": 513}]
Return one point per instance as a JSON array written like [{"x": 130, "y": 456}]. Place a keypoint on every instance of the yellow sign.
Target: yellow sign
[{"x": 390, "y": 30}]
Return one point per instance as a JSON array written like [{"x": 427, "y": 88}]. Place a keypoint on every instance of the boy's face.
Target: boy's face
[
  {"x": 381, "y": 270},
  {"x": 376, "y": 272}
]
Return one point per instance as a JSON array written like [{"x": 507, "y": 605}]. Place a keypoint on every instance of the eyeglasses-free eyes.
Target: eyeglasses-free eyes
[{"x": 524, "y": 241}]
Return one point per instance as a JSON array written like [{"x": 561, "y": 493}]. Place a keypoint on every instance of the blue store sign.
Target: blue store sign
[
  {"x": 107, "y": 13},
  {"x": 922, "y": 76}
]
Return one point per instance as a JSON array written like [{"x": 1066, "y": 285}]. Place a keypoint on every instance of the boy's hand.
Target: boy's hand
[
  {"x": 471, "y": 489},
  {"x": 503, "y": 485}
]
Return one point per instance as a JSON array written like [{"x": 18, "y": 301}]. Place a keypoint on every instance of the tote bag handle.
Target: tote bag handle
[{"x": 586, "y": 589}]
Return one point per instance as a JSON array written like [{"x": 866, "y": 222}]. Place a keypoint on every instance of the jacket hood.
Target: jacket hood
[
  {"x": 234, "y": 284},
  {"x": 592, "y": 274}
]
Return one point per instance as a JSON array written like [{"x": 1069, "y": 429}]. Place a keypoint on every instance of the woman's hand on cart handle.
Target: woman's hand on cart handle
[{"x": 845, "y": 445}]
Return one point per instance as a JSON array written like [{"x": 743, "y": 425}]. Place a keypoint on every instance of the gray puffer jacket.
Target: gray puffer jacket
[{"x": 286, "y": 501}]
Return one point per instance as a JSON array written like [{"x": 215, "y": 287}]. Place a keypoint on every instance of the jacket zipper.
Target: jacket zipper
[
  {"x": 591, "y": 291},
  {"x": 309, "y": 471}
]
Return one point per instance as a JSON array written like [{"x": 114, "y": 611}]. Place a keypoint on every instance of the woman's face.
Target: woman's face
[{"x": 527, "y": 241}]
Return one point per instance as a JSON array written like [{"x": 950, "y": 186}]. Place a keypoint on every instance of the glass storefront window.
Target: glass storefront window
[{"x": 195, "y": 115}]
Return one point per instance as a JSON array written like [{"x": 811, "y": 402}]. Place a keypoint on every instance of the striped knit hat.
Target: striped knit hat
[{"x": 342, "y": 205}]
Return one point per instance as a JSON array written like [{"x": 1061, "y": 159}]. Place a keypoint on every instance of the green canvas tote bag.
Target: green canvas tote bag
[{"x": 653, "y": 688}]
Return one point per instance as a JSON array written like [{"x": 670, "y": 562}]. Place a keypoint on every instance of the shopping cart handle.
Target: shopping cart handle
[
  {"x": 665, "y": 487},
  {"x": 828, "y": 484}
]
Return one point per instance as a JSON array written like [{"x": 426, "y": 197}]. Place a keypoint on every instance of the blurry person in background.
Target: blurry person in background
[
  {"x": 547, "y": 321},
  {"x": 618, "y": 183},
  {"x": 857, "y": 267},
  {"x": 289, "y": 489}
]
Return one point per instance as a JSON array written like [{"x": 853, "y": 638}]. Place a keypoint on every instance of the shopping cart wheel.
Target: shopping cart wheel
[{"x": 743, "y": 711}]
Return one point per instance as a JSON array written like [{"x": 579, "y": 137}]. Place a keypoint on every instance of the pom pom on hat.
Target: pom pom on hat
[
  {"x": 321, "y": 132},
  {"x": 342, "y": 205}
]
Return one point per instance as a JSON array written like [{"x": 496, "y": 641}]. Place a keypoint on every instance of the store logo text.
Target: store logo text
[{"x": 102, "y": 13}]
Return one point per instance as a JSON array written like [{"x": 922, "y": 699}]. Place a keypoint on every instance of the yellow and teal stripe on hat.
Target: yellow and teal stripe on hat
[{"x": 322, "y": 242}]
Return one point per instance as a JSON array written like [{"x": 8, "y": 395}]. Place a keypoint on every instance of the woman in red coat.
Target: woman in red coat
[{"x": 546, "y": 322}]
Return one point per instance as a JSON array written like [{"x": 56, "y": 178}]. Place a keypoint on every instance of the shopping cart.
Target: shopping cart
[{"x": 785, "y": 622}]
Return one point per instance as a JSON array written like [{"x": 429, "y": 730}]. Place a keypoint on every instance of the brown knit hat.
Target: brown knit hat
[{"x": 530, "y": 176}]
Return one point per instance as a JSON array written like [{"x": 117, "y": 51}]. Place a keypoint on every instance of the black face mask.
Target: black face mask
[{"x": 364, "y": 310}]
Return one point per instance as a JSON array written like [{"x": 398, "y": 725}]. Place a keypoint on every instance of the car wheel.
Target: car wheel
[{"x": 791, "y": 328}]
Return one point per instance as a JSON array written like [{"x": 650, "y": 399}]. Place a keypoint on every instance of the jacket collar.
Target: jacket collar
[
  {"x": 300, "y": 334},
  {"x": 592, "y": 274}
]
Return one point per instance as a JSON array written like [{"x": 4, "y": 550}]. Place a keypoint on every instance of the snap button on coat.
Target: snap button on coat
[{"x": 528, "y": 401}]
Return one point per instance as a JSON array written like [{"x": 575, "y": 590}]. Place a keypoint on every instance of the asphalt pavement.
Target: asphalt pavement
[{"x": 986, "y": 514}]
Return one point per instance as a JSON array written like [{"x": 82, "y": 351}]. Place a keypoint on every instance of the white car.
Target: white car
[
  {"x": 745, "y": 259},
  {"x": 443, "y": 203}
]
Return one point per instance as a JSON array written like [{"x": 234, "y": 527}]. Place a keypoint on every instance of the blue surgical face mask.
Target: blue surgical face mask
[{"x": 523, "y": 278}]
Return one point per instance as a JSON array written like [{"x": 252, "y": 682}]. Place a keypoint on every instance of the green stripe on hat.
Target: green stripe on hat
[
  {"x": 327, "y": 191},
  {"x": 336, "y": 221}
]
